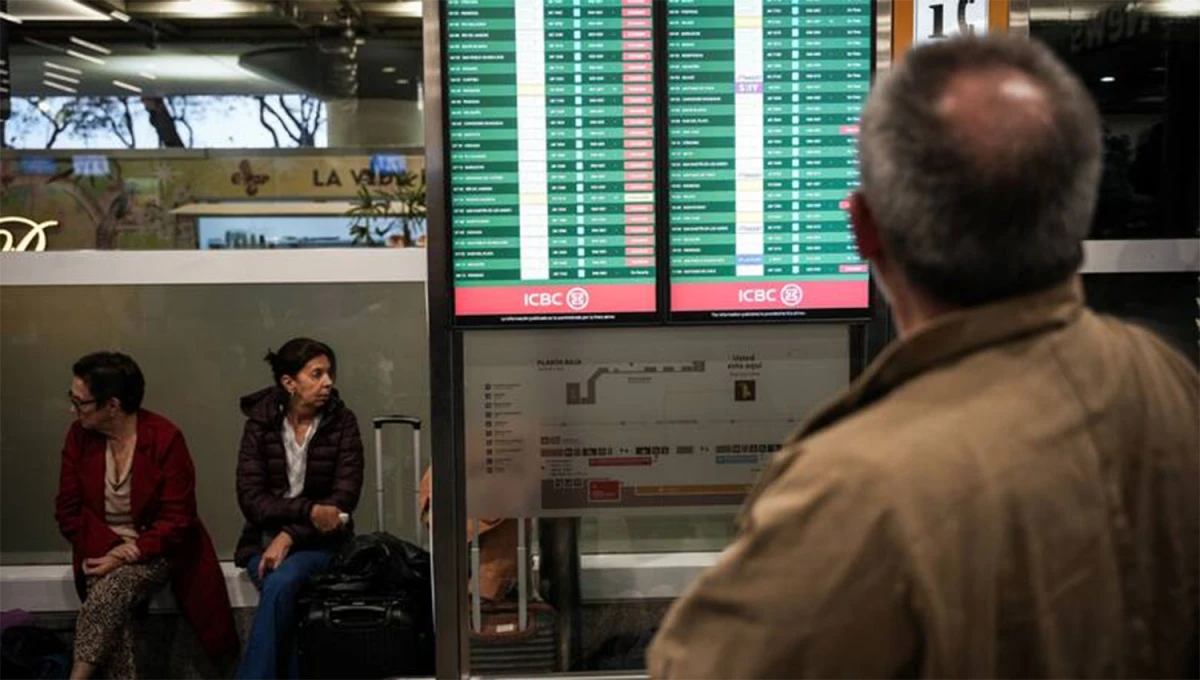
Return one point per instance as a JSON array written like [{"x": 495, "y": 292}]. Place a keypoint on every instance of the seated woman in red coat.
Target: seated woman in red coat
[
  {"x": 127, "y": 503},
  {"x": 299, "y": 476}
]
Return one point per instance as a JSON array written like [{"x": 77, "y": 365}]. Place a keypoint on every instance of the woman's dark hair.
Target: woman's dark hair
[
  {"x": 295, "y": 355},
  {"x": 111, "y": 375}
]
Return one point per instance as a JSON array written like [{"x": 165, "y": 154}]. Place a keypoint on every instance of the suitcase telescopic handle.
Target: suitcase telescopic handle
[{"x": 378, "y": 423}]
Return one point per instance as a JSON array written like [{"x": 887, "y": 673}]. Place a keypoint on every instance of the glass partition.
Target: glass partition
[
  {"x": 649, "y": 438},
  {"x": 1141, "y": 62},
  {"x": 206, "y": 127},
  {"x": 201, "y": 348},
  {"x": 120, "y": 129}
]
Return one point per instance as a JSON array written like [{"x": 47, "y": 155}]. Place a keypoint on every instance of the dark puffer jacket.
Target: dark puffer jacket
[{"x": 334, "y": 474}]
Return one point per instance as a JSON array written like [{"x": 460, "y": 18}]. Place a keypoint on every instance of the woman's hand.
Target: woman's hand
[
  {"x": 326, "y": 518},
  {"x": 275, "y": 554},
  {"x": 100, "y": 566},
  {"x": 126, "y": 552}
]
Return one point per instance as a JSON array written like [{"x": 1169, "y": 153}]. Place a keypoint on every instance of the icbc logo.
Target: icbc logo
[
  {"x": 790, "y": 295},
  {"x": 751, "y": 295},
  {"x": 543, "y": 299},
  {"x": 577, "y": 299}
]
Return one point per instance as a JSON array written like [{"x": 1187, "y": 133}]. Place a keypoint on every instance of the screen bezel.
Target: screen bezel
[
  {"x": 516, "y": 320},
  {"x": 663, "y": 314},
  {"x": 773, "y": 316}
]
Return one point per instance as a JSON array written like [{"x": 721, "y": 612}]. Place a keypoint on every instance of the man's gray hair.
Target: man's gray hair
[{"x": 967, "y": 222}]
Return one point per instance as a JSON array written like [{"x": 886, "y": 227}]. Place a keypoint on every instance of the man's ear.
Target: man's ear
[{"x": 865, "y": 228}]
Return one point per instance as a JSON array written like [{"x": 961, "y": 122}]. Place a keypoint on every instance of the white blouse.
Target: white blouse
[{"x": 297, "y": 455}]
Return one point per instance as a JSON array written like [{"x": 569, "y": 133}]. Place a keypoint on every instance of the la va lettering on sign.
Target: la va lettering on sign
[
  {"x": 938, "y": 19},
  {"x": 36, "y": 235},
  {"x": 363, "y": 177}
]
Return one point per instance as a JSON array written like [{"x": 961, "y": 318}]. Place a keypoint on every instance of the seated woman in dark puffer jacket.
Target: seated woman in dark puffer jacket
[{"x": 300, "y": 474}]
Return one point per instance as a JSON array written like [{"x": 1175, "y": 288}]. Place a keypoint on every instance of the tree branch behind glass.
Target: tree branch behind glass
[{"x": 376, "y": 214}]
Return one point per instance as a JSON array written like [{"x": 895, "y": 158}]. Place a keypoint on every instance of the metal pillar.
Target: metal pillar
[
  {"x": 449, "y": 543},
  {"x": 559, "y": 547}
]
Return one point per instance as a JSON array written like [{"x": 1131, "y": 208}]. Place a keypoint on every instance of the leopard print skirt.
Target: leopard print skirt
[{"x": 104, "y": 630}]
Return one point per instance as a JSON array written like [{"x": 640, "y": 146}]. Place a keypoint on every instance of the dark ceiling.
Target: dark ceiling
[{"x": 327, "y": 48}]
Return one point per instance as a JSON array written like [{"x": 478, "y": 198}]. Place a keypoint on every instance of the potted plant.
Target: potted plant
[{"x": 390, "y": 216}]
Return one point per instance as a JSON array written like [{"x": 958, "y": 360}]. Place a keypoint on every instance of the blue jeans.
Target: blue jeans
[{"x": 274, "y": 621}]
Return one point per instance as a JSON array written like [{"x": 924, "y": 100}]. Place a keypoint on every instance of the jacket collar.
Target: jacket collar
[
  {"x": 144, "y": 472},
  {"x": 947, "y": 339},
  {"x": 269, "y": 405}
]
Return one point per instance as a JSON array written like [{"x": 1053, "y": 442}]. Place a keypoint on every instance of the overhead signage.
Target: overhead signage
[
  {"x": 915, "y": 22},
  {"x": 940, "y": 19}
]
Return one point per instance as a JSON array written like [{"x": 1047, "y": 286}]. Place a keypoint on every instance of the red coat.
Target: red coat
[{"x": 163, "y": 505}]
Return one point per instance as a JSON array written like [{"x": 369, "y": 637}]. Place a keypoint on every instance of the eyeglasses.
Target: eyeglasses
[{"x": 77, "y": 404}]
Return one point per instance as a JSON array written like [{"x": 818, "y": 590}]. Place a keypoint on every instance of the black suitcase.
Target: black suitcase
[{"x": 364, "y": 635}]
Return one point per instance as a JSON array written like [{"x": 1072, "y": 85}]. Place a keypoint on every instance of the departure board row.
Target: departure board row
[{"x": 552, "y": 139}]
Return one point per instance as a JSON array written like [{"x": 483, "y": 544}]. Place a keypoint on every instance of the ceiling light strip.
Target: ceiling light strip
[
  {"x": 59, "y": 86},
  {"x": 53, "y": 75},
  {"x": 60, "y": 67},
  {"x": 127, "y": 86},
  {"x": 44, "y": 45},
  {"x": 90, "y": 45},
  {"x": 86, "y": 57},
  {"x": 10, "y": 18}
]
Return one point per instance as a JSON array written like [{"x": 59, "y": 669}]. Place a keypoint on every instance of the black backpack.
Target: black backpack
[
  {"x": 377, "y": 563},
  {"x": 32, "y": 652}
]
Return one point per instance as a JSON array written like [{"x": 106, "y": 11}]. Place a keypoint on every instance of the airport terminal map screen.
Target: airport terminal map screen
[
  {"x": 550, "y": 112},
  {"x": 763, "y": 105}
]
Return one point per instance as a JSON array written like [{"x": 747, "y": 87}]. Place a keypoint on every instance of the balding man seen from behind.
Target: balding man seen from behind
[{"x": 1011, "y": 489}]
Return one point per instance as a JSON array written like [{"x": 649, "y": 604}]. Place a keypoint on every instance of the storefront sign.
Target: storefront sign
[
  {"x": 359, "y": 178},
  {"x": 90, "y": 166},
  {"x": 37, "y": 232},
  {"x": 132, "y": 207},
  {"x": 937, "y": 19},
  {"x": 1110, "y": 27},
  {"x": 921, "y": 21}
]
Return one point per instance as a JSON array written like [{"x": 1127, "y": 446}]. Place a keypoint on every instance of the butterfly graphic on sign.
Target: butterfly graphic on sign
[{"x": 246, "y": 177}]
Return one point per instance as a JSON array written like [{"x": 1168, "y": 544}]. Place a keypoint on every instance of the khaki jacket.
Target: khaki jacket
[{"x": 1011, "y": 492}]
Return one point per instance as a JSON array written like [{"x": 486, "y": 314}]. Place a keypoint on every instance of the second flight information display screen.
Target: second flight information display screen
[
  {"x": 551, "y": 159},
  {"x": 763, "y": 104}
]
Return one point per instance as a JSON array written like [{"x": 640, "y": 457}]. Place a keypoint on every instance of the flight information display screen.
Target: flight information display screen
[
  {"x": 550, "y": 133},
  {"x": 763, "y": 107}
]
